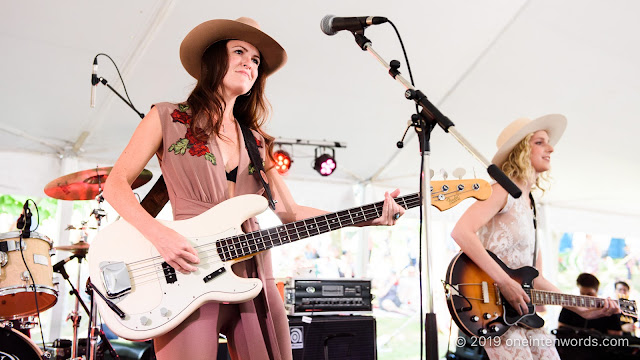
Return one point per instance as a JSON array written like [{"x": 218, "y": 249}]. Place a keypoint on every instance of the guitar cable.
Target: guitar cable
[
  {"x": 24, "y": 261},
  {"x": 406, "y": 59},
  {"x": 458, "y": 293}
]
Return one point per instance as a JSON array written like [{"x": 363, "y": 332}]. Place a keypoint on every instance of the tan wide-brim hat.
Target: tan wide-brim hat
[
  {"x": 553, "y": 124},
  {"x": 204, "y": 35}
]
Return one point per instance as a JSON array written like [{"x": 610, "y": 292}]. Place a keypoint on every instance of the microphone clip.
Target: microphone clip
[{"x": 24, "y": 221}]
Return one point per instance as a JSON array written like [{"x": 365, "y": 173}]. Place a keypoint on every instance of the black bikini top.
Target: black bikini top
[{"x": 232, "y": 175}]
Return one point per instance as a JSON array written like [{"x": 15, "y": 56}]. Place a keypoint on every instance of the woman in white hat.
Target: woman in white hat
[
  {"x": 505, "y": 226},
  {"x": 204, "y": 162}
]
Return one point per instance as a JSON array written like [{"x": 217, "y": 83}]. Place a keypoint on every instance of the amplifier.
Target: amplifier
[
  {"x": 351, "y": 337},
  {"x": 327, "y": 296}
]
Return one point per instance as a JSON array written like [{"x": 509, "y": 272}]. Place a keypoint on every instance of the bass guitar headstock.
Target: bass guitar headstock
[{"x": 446, "y": 194}]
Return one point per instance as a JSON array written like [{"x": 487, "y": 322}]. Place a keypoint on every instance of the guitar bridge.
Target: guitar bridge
[
  {"x": 497, "y": 291},
  {"x": 115, "y": 278}
]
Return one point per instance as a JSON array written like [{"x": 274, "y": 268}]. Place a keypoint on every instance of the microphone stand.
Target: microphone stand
[
  {"x": 59, "y": 268},
  {"x": 428, "y": 118},
  {"x": 105, "y": 82}
]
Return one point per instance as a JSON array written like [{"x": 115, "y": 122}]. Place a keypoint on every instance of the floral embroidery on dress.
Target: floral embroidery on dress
[
  {"x": 252, "y": 168},
  {"x": 195, "y": 146},
  {"x": 510, "y": 233}
]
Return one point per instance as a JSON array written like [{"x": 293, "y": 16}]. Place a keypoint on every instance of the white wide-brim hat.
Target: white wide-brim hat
[{"x": 553, "y": 124}]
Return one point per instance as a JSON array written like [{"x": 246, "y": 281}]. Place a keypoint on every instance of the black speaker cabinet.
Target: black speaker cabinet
[{"x": 333, "y": 337}]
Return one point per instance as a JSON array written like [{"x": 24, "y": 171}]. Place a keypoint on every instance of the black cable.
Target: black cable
[
  {"x": 121, "y": 80},
  {"x": 424, "y": 128},
  {"x": 406, "y": 58},
  {"x": 24, "y": 261}
]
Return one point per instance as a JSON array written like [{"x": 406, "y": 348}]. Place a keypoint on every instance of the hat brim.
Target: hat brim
[
  {"x": 553, "y": 124},
  {"x": 204, "y": 35}
]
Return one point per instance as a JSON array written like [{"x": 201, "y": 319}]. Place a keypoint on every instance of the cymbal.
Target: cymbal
[
  {"x": 84, "y": 227},
  {"x": 87, "y": 184},
  {"x": 78, "y": 248}
]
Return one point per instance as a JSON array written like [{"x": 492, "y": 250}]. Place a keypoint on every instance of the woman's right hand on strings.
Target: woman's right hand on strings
[
  {"x": 175, "y": 249},
  {"x": 515, "y": 295}
]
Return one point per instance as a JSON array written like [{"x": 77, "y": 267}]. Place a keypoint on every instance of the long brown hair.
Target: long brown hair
[{"x": 206, "y": 101}]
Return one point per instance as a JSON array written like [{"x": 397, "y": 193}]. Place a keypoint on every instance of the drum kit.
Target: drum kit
[{"x": 26, "y": 274}]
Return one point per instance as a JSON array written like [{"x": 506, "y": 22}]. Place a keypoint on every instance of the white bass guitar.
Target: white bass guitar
[{"x": 127, "y": 269}]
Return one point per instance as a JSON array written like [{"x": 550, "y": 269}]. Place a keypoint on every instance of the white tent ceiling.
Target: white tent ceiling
[{"x": 483, "y": 63}]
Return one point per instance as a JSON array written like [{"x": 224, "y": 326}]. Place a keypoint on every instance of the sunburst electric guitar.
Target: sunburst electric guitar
[
  {"x": 126, "y": 268},
  {"x": 478, "y": 308}
]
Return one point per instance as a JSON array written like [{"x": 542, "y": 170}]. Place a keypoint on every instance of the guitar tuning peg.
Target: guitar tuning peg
[
  {"x": 444, "y": 174},
  {"x": 431, "y": 173},
  {"x": 459, "y": 173}
]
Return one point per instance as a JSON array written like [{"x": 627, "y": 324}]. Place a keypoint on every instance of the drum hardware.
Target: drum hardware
[
  {"x": 82, "y": 227},
  {"x": 99, "y": 213},
  {"x": 26, "y": 323},
  {"x": 12, "y": 245},
  {"x": 94, "y": 329},
  {"x": 74, "y": 316}
]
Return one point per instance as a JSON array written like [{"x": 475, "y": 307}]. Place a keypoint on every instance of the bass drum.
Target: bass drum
[{"x": 16, "y": 346}]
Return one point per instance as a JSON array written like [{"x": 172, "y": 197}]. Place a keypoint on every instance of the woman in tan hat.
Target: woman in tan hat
[
  {"x": 504, "y": 225},
  {"x": 202, "y": 155}
]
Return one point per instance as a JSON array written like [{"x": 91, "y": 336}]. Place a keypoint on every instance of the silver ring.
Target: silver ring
[{"x": 396, "y": 216}]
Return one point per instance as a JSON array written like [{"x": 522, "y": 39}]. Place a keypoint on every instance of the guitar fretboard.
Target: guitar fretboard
[
  {"x": 541, "y": 297},
  {"x": 247, "y": 244}
]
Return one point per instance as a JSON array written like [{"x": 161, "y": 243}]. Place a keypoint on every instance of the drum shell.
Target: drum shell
[{"x": 17, "y": 299}]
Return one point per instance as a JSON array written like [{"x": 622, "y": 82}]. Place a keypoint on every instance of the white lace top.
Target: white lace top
[{"x": 510, "y": 233}]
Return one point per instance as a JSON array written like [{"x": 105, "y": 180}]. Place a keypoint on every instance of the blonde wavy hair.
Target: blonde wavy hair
[{"x": 518, "y": 166}]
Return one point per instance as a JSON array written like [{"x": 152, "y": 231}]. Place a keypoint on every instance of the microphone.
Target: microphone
[
  {"x": 58, "y": 267},
  {"x": 94, "y": 82},
  {"x": 330, "y": 24}
]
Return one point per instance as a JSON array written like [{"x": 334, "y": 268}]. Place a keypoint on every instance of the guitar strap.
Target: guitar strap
[
  {"x": 158, "y": 196},
  {"x": 256, "y": 160},
  {"x": 535, "y": 229}
]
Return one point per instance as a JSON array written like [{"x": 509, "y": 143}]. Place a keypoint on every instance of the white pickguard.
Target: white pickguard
[{"x": 154, "y": 307}]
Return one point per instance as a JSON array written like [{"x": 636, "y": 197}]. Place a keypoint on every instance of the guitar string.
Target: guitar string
[
  {"x": 550, "y": 294},
  {"x": 301, "y": 226},
  {"x": 159, "y": 268},
  {"x": 370, "y": 210},
  {"x": 408, "y": 199},
  {"x": 241, "y": 248},
  {"x": 348, "y": 215}
]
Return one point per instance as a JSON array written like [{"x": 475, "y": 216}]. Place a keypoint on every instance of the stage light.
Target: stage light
[
  {"x": 283, "y": 161},
  {"x": 325, "y": 164}
]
